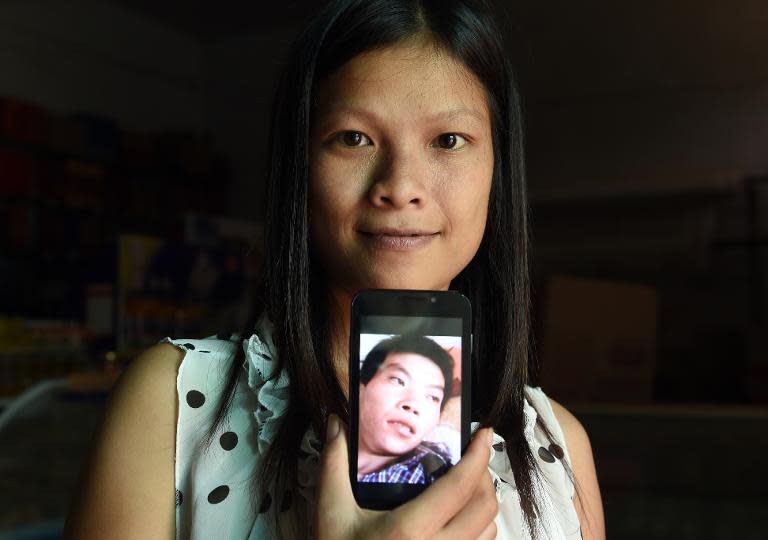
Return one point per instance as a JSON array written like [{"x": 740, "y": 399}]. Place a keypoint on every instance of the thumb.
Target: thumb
[{"x": 335, "y": 505}]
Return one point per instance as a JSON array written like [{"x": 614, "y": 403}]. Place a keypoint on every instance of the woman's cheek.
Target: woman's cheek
[{"x": 345, "y": 179}]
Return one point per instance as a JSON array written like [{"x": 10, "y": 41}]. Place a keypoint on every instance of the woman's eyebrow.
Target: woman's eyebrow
[
  {"x": 447, "y": 114},
  {"x": 346, "y": 110},
  {"x": 327, "y": 117},
  {"x": 456, "y": 112}
]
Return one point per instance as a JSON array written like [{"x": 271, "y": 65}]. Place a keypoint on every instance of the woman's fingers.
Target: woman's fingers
[
  {"x": 476, "y": 518},
  {"x": 438, "y": 505},
  {"x": 462, "y": 504},
  {"x": 489, "y": 533},
  {"x": 335, "y": 506}
]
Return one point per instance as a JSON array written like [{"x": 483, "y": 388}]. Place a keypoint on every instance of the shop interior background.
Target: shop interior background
[{"x": 132, "y": 158}]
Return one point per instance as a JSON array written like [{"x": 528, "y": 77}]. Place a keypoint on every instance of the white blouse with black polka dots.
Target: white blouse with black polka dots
[{"x": 215, "y": 495}]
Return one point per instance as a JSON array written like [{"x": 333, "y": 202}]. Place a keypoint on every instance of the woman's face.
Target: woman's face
[{"x": 401, "y": 161}]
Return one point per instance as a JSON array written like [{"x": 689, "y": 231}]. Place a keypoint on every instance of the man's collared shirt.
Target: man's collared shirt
[{"x": 425, "y": 464}]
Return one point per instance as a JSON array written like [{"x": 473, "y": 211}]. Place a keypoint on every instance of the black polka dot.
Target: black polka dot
[
  {"x": 496, "y": 485},
  {"x": 206, "y": 352},
  {"x": 265, "y": 503},
  {"x": 499, "y": 446},
  {"x": 287, "y": 498},
  {"x": 556, "y": 451},
  {"x": 189, "y": 346},
  {"x": 546, "y": 455},
  {"x": 195, "y": 399},
  {"x": 224, "y": 336},
  {"x": 218, "y": 494},
  {"x": 179, "y": 497},
  {"x": 228, "y": 440}
]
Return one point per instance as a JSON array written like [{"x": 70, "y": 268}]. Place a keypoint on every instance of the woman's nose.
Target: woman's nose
[{"x": 399, "y": 180}]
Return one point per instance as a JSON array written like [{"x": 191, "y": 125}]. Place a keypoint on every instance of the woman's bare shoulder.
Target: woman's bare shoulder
[
  {"x": 158, "y": 362},
  {"x": 127, "y": 486},
  {"x": 588, "y": 502},
  {"x": 575, "y": 435}
]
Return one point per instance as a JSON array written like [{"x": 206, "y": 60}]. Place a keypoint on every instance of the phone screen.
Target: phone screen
[{"x": 410, "y": 402}]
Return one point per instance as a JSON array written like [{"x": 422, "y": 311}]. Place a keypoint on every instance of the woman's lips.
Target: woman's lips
[{"x": 398, "y": 240}]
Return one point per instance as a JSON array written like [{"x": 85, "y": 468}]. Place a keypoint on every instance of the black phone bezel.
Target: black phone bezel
[{"x": 372, "y": 302}]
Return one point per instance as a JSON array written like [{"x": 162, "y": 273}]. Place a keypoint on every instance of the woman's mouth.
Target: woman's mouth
[{"x": 398, "y": 240}]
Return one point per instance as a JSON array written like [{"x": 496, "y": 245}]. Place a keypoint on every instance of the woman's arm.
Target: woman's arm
[
  {"x": 589, "y": 505},
  {"x": 127, "y": 486}
]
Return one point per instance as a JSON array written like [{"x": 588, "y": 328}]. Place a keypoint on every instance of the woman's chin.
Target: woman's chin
[{"x": 406, "y": 281}]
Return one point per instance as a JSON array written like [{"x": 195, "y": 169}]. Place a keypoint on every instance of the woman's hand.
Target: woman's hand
[{"x": 461, "y": 504}]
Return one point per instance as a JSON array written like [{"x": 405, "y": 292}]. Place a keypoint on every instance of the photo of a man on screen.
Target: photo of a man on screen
[{"x": 405, "y": 382}]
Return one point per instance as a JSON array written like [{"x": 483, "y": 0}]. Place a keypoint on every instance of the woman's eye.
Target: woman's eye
[
  {"x": 397, "y": 380},
  {"x": 353, "y": 139},
  {"x": 450, "y": 141},
  {"x": 434, "y": 399}
]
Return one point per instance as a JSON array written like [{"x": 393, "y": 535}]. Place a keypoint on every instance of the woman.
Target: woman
[{"x": 396, "y": 162}]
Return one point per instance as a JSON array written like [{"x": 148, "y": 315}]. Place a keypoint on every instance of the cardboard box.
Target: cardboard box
[{"x": 599, "y": 341}]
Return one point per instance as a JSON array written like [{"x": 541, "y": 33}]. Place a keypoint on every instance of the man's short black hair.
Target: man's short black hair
[{"x": 416, "y": 344}]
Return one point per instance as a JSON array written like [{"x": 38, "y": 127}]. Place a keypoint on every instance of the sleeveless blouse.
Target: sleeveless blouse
[{"x": 215, "y": 493}]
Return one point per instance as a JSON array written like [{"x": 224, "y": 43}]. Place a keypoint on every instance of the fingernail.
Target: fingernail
[
  {"x": 489, "y": 436},
  {"x": 332, "y": 427}
]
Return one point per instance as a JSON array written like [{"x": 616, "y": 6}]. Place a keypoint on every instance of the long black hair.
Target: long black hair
[{"x": 496, "y": 281}]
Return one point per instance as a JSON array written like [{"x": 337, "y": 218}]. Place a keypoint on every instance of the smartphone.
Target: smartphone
[{"x": 409, "y": 383}]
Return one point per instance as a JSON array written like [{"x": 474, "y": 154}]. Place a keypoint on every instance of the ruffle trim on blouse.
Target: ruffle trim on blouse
[
  {"x": 271, "y": 389},
  {"x": 309, "y": 457},
  {"x": 272, "y": 396}
]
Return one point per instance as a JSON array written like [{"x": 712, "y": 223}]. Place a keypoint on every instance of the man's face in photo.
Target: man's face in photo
[{"x": 400, "y": 405}]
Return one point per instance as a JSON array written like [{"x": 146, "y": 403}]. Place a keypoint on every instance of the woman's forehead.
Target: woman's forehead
[{"x": 410, "y": 78}]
